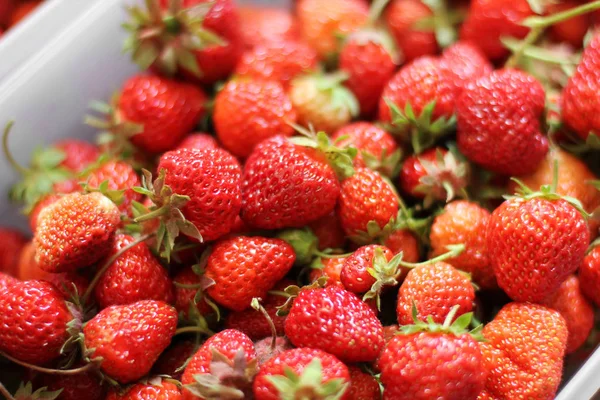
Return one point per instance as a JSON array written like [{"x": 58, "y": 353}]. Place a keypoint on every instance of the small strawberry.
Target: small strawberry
[
  {"x": 302, "y": 372},
  {"x": 572, "y": 30},
  {"x": 280, "y": 61},
  {"x": 331, "y": 268},
  {"x": 263, "y": 25},
  {"x": 11, "y": 243},
  {"x": 358, "y": 269},
  {"x": 363, "y": 386},
  {"x": 401, "y": 17},
  {"x": 198, "y": 141},
  {"x": 35, "y": 323},
  {"x": 86, "y": 385},
  {"x": 247, "y": 112},
  {"x": 523, "y": 352},
  {"x": 329, "y": 232},
  {"x": 75, "y": 232},
  {"x": 130, "y": 338},
  {"x": 77, "y": 154},
  {"x": 174, "y": 358},
  {"x": 224, "y": 365},
  {"x": 154, "y": 388},
  {"x": 120, "y": 176},
  {"x": 188, "y": 294},
  {"x": 404, "y": 241},
  {"x": 589, "y": 275},
  {"x": 335, "y": 320},
  {"x": 246, "y": 267},
  {"x": 498, "y": 122}
]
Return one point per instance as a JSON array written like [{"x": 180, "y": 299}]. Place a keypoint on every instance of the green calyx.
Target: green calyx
[
  {"x": 26, "y": 392},
  {"x": 443, "y": 22},
  {"x": 309, "y": 384},
  {"x": 292, "y": 291},
  {"x": 457, "y": 328},
  {"x": 303, "y": 241},
  {"x": 116, "y": 196},
  {"x": 168, "y": 38}
]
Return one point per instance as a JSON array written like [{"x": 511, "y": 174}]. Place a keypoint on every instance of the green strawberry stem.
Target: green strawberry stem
[
  {"x": 9, "y": 157},
  {"x": 4, "y": 392},
  {"x": 194, "y": 329},
  {"x": 258, "y": 307},
  {"x": 76, "y": 371},
  {"x": 109, "y": 262},
  {"x": 376, "y": 10},
  {"x": 454, "y": 250}
]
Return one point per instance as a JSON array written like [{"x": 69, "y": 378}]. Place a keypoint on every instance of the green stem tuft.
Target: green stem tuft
[
  {"x": 16, "y": 166},
  {"x": 88, "y": 367}
]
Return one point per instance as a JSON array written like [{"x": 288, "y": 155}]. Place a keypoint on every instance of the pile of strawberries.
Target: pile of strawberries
[{"x": 352, "y": 201}]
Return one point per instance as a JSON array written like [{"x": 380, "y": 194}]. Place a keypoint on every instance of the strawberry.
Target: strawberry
[
  {"x": 199, "y": 141},
  {"x": 356, "y": 275},
  {"x": 401, "y": 17},
  {"x": 201, "y": 40},
  {"x": 135, "y": 275},
  {"x": 366, "y": 197},
  {"x": 77, "y": 154},
  {"x": 431, "y": 361},
  {"x": 464, "y": 222},
  {"x": 225, "y": 363},
  {"x": 302, "y": 372},
  {"x": 363, "y": 386},
  {"x": 498, "y": 122},
  {"x": 246, "y": 267},
  {"x": 129, "y": 338},
  {"x": 580, "y": 97},
  {"x": 120, "y": 176},
  {"x": 322, "y": 102},
  {"x": 248, "y": 112},
  {"x": 155, "y": 388},
  {"x": 404, "y": 241},
  {"x": 6, "y": 9},
  {"x": 329, "y": 232},
  {"x": 263, "y": 25},
  {"x": 490, "y": 20},
  {"x": 331, "y": 269},
  {"x": 589, "y": 275},
  {"x": 523, "y": 352},
  {"x": 572, "y": 30},
  {"x": 84, "y": 385},
  {"x": 321, "y": 23},
  {"x": 464, "y": 62},
  {"x": 75, "y": 231},
  {"x": 173, "y": 358},
  {"x": 211, "y": 179},
  {"x": 188, "y": 290},
  {"x": 335, "y": 320},
  {"x": 281, "y": 61},
  {"x": 6, "y": 281},
  {"x": 265, "y": 349},
  {"x": 22, "y": 10},
  {"x": 534, "y": 243},
  {"x": 11, "y": 243},
  {"x": 35, "y": 322}
]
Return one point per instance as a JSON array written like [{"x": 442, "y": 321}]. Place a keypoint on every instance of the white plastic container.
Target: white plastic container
[{"x": 49, "y": 95}]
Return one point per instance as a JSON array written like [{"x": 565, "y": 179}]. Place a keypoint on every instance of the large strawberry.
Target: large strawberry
[
  {"x": 303, "y": 371},
  {"x": 337, "y": 321},
  {"x": 128, "y": 339},
  {"x": 75, "y": 232},
  {"x": 246, "y": 112},
  {"x": 154, "y": 388},
  {"x": 498, "y": 119},
  {"x": 265, "y": 25},
  {"x": 523, "y": 352}
]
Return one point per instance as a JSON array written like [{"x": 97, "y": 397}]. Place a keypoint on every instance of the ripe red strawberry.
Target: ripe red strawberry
[
  {"x": 589, "y": 275},
  {"x": 329, "y": 232},
  {"x": 265, "y": 350},
  {"x": 321, "y": 23},
  {"x": 365, "y": 197},
  {"x": 75, "y": 232},
  {"x": 302, "y": 370},
  {"x": 429, "y": 361},
  {"x": 130, "y": 338},
  {"x": 249, "y": 111},
  {"x": 464, "y": 222},
  {"x": 11, "y": 243},
  {"x": 211, "y": 178},
  {"x": 38, "y": 207},
  {"x": 6, "y": 9},
  {"x": 85, "y": 385},
  {"x": 572, "y": 30},
  {"x": 281, "y": 61},
  {"x": 155, "y": 388},
  {"x": 534, "y": 245},
  {"x": 198, "y": 141},
  {"x": 263, "y": 25},
  {"x": 246, "y": 267},
  {"x": 401, "y": 17},
  {"x": 580, "y": 97},
  {"x": 136, "y": 275},
  {"x": 498, "y": 122},
  {"x": 34, "y": 322},
  {"x": 269, "y": 201},
  {"x": 332, "y": 269},
  {"x": 355, "y": 275},
  {"x": 173, "y": 358},
  {"x": 77, "y": 154},
  {"x": 523, "y": 352},
  {"x": 490, "y": 20},
  {"x": 403, "y": 240},
  {"x": 464, "y": 62},
  {"x": 120, "y": 176},
  {"x": 6, "y": 281},
  {"x": 335, "y": 320},
  {"x": 226, "y": 362},
  {"x": 363, "y": 386},
  {"x": 185, "y": 297}
]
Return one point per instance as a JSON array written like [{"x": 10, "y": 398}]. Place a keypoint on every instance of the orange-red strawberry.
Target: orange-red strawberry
[
  {"x": 154, "y": 388},
  {"x": 580, "y": 98},
  {"x": 589, "y": 275},
  {"x": 75, "y": 232},
  {"x": 120, "y": 176},
  {"x": 490, "y": 20},
  {"x": 281, "y": 61},
  {"x": 523, "y": 352},
  {"x": 135, "y": 275},
  {"x": 335, "y": 320},
  {"x": 198, "y": 141},
  {"x": 363, "y": 386},
  {"x": 572, "y": 30},
  {"x": 247, "y": 112},
  {"x": 173, "y": 358},
  {"x": 401, "y": 17},
  {"x": 187, "y": 298},
  {"x": 464, "y": 222},
  {"x": 262, "y": 25},
  {"x": 34, "y": 322},
  {"x": 11, "y": 243},
  {"x": 322, "y": 22},
  {"x": 498, "y": 119},
  {"x": 37, "y": 209},
  {"x": 464, "y": 62},
  {"x": 356, "y": 273},
  {"x": 246, "y": 267},
  {"x": 77, "y": 154},
  {"x": 225, "y": 363},
  {"x": 303, "y": 370},
  {"x": 84, "y": 385},
  {"x": 130, "y": 338},
  {"x": 329, "y": 232},
  {"x": 332, "y": 270}
]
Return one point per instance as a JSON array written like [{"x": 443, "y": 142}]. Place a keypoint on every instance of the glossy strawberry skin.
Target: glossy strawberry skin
[
  {"x": 413, "y": 172},
  {"x": 589, "y": 276},
  {"x": 33, "y": 323},
  {"x": 211, "y": 178},
  {"x": 363, "y": 386},
  {"x": 37, "y": 209},
  {"x": 265, "y": 25},
  {"x": 120, "y": 176},
  {"x": 298, "y": 359},
  {"x": 335, "y": 320},
  {"x": 332, "y": 270},
  {"x": 130, "y": 338},
  {"x": 11, "y": 243},
  {"x": 165, "y": 390},
  {"x": 534, "y": 245},
  {"x": 428, "y": 365},
  {"x": 198, "y": 141},
  {"x": 355, "y": 275},
  {"x": 6, "y": 281},
  {"x": 75, "y": 232},
  {"x": 464, "y": 62},
  {"x": 167, "y": 109},
  {"x": 285, "y": 185},
  {"x": 401, "y": 16},
  {"x": 366, "y": 138},
  {"x": 403, "y": 240},
  {"x": 580, "y": 99},
  {"x": 246, "y": 267},
  {"x": 248, "y": 112},
  {"x": 498, "y": 122},
  {"x": 78, "y": 154}
]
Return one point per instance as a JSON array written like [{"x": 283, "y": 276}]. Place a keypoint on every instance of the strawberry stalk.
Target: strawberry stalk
[
  {"x": 76, "y": 371},
  {"x": 194, "y": 329},
  {"x": 258, "y": 307},
  {"x": 4, "y": 392},
  {"x": 376, "y": 10}
]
